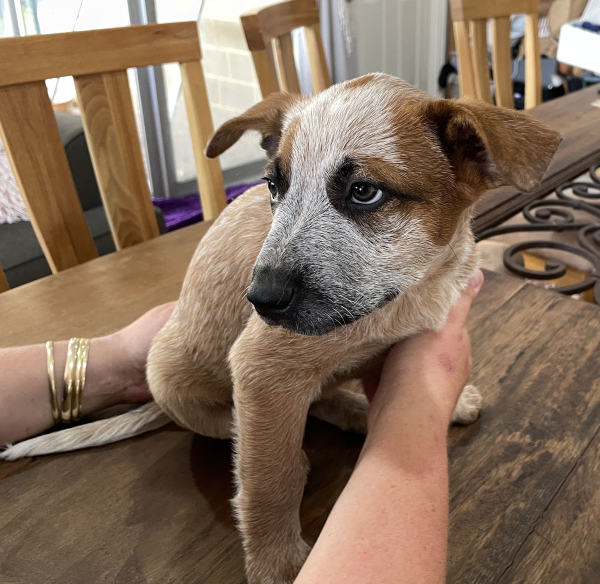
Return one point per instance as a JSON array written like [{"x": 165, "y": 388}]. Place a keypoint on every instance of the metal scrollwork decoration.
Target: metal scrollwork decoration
[{"x": 556, "y": 215}]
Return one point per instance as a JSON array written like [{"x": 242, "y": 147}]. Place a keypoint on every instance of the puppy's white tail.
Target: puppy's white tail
[{"x": 144, "y": 419}]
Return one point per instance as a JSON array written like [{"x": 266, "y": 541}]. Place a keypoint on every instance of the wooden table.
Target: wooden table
[{"x": 525, "y": 479}]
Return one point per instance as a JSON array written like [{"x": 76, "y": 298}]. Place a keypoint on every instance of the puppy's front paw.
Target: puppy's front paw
[
  {"x": 468, "y": 406},
  {"x": 277, "y": 565}
]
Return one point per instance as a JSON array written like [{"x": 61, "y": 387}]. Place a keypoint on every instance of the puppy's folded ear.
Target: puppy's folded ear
[
  {"x": 265, "y": 117},
  {"x": 490, "y": 146}
]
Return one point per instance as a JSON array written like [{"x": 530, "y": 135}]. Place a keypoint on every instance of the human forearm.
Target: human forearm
[
  {"x": 116, "y": 373},
  {"x": 24, "y": 395},
  {"x": 390, "y": 523}
]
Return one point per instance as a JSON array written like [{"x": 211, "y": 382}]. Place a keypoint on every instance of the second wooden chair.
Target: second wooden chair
[
  {"x": 268, "y": 34},
  {"x": 469, "y": 19}
]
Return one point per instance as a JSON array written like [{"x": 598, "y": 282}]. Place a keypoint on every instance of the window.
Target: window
[
  {"x": 156, "y": 91},
  {"x": 231, "y": 84}
]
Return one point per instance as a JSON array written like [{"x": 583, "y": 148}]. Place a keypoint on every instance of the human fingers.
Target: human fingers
[{"x": 458, "y": 314}]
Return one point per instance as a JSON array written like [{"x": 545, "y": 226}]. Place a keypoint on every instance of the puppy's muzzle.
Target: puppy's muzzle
[{"x": 273, "y": 293}]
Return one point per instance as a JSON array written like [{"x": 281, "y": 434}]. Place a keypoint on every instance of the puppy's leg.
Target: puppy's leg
[
  {"x": 468, "y": 406},
  {"x": 343, "y": 407},
  {"x": 186, "y": 390},
  {"x": 272, "y": 394}
]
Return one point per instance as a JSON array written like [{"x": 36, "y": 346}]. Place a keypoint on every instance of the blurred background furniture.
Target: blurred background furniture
[
  {"x": 268, "y": 32},
  {"x": 32, "y": 140},
  {"x": 20, "y": 252},
  {"x": 470, "y": 19}
]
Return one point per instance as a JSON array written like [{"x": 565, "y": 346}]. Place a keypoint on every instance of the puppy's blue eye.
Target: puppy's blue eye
[{"x": 365, "y": 194}]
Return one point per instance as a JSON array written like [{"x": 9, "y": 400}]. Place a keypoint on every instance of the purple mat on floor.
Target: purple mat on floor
[{"x": 182, "y": 211}]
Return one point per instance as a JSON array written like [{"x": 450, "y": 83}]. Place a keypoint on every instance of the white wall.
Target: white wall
[{"x": 406, "y": 38}]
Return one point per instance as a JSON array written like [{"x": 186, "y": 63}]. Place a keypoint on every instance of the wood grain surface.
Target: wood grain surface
[
  {"x": 319, "y": 72},
  {"x": 112, "y": 137},
  {"x": 156, "y": 508},
  {"x": 43, "y": 56},
  {"x": 286, "y": 65},
  {"x": 480, "y": 60},
  {"x": 533, "y": 62},
  {"x": 475, "y": 9},
  {"x": 100, "y": 296},
  {"x": 501, "y": 53},
  {"x": 266, "y": 71},
  {"x": 473, "y": 57},
  {"x": 208, "y": 171},
  {"x": 265, "y": 23},
  {"x": 30, "y": 136},
  {"x": 463, "y": 52},
  {"x": 268, "y": 35}
]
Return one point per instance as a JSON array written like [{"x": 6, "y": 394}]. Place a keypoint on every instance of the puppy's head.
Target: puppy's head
[{"x": 368, "y": 182}]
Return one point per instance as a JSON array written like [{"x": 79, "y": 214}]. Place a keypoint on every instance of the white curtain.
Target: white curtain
[{"x": 340, "y": 54}]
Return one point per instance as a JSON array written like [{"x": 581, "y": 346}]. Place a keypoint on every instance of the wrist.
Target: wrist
[
  {"x": 409, "y": 442},
  {"x": 105, "y": 382},
  {"x": 411, "y": 401}
]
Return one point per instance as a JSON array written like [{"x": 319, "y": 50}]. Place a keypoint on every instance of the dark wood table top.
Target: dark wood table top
[
  {"x": 578, "y": 121},
  {"x": 525, "y": 478}
]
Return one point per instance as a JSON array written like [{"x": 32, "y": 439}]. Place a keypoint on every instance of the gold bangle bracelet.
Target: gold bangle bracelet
[
  {"x": 69, "y": 381},
  {"x": 82, "y": 357},
  {"x": 52, "y": 381}
]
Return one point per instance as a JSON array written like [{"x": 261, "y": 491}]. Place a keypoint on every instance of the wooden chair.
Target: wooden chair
[
  {"x": 268, "y": 34},
  {"x": 98, "y": 61},
  {"x": 469, "y": 19}
]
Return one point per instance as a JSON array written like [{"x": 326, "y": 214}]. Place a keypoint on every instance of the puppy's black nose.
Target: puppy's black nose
[{"x": 272, "y": 293}]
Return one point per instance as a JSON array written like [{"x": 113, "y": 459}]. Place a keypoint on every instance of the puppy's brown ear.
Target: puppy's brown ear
[
  {"x": 265, "y": 117},
  {"x": 490, "y": 146}
]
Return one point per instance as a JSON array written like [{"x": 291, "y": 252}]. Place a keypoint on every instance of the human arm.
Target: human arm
[{"x": 115, "y": 375}]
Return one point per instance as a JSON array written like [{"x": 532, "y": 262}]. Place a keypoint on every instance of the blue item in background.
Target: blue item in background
[{"x": 590, "y": 26}]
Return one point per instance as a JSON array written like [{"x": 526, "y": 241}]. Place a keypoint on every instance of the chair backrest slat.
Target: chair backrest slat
[
  {"x": 501, "y": 60},
  {"x": 479, "y": 58},
  {"x": 98, "y": 60},
  {"x": 33, "y": 146},
  {"x": 45, "y": 56},
  {"x": 463, "y": 51},
  {"x": 286, "y": 66},
  {"x": 267, "y": 31},
  {"x": 316, "y": 57},
  {"x": 533, "y": 65},
  {"x": 266, "y": 70},
  {"x": 484, "y": 9},
  {"x": 474, "y": 75},
  {"x": 210, "y": 178},
  {"x": 109, "y": 121}
]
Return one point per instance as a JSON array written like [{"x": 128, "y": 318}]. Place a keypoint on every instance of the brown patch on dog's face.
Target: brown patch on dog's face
[{"x": 279, "y": 168}]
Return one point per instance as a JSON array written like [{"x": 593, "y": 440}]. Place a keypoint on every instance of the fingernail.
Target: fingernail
[{"x": 476, "y": 280}]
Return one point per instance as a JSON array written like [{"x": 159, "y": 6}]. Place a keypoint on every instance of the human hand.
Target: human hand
[
  {"x": 426, "y": 374},
  {"x": 117, "y": 363},
  {"x": 134, "y": 342}
]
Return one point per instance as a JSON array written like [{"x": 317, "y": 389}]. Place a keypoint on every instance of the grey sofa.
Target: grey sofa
[{"x": 20, "y": 253}]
